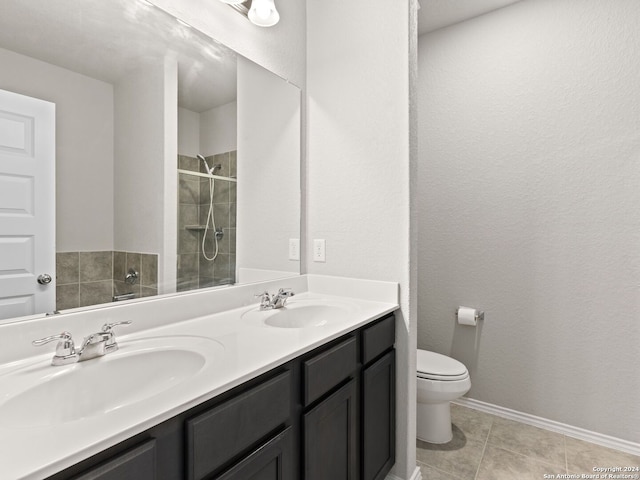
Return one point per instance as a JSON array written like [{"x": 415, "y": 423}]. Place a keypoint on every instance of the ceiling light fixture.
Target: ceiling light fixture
[
  {"x": 260, "y": 12},
  {"x": 263, "y": 13}
]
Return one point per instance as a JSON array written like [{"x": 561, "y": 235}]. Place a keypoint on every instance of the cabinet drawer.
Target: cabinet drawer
[
  {"x": 139, "y": 463},
  {"x": 378, "y": 338},
  {"x": 271, "y": 461},
  {"x": 216, "y": 436},
  {"x": 327, "y": 369}
]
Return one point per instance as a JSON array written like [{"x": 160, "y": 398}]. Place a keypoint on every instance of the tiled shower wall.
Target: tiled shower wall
[
  {"x": 90, "y": 278},
  {"x": 194, "y": 271}
]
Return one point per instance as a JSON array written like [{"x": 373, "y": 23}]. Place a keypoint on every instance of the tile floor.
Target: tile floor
[{"x": 486, "y": 447}]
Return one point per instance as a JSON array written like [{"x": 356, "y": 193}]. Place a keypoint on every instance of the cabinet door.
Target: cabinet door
[
  {"x": 330, "y": 437},
  {"x": 378, "y": 417},
  {"x": 139, "y": 463},
  {"x": 272, "y": 461}
]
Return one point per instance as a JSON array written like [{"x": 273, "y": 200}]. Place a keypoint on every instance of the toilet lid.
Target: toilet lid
[{"x": 439, "y": 367}]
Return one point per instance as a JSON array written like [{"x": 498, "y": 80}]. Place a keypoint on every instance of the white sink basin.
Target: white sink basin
[
  {"x": 301, "y": 314},
  {"x": 44, "y": 395}
]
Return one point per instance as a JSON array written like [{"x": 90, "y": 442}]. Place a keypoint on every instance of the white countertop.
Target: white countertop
[{"x": 248, "y": 349}]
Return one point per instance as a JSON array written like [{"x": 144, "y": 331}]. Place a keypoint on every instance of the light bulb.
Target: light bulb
[{"x": 263, "y": 13}]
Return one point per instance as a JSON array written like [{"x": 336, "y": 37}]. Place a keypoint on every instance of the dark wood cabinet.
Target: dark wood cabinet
[
  {"x": 331, "y": 437},
  {"x": 378, "y": 417},
  {"x": 323, "y": 371},
  {"x": 216, "y": 436},
  {"x": 328, "y": 414}
]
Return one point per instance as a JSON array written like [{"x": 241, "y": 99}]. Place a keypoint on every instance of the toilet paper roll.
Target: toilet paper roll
[{"x": 467, "y": 316}]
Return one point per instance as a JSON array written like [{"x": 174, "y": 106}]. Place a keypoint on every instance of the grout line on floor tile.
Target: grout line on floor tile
[
  {"x": 484, "y": 449},
  {"x": 535, "y": 459},
  {"x": 449, "y": 474},
  {"x": 566, "y": 460}
]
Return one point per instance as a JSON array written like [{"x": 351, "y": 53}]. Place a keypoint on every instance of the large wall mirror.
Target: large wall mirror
[{"x": 138, "y": 157}]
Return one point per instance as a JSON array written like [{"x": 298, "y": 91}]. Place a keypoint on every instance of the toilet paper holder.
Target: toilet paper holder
[{"x": 479, "y": 314}]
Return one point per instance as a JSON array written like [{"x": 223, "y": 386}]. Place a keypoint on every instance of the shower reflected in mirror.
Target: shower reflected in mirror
[{"x": 206, "y": 220}]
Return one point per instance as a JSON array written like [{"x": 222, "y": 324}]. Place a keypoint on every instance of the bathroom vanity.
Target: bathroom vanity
[
  {"x": 304, "y": 392},
  {"x": 329, "y": 413}
]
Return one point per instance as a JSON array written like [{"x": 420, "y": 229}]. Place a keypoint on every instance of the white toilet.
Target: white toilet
[{"x": 440, "y": 380}]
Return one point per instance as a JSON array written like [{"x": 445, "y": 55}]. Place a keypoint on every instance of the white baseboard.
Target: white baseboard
[
  {"x": 568, "y": 430},
  {"x": 417, "y": 475}
]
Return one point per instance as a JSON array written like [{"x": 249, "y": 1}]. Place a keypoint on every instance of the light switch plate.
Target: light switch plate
[
  {"x": 319, "y": 250},
  {"x": 294, "y": 249}
]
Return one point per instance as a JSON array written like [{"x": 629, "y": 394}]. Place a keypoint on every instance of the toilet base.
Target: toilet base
[{"x": 434, "y": 422}]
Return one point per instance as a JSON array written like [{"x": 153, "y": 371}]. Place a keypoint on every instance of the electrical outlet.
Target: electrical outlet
[
  {"x": 294, "y": 249},
  {"x": 318, "y": 250}
]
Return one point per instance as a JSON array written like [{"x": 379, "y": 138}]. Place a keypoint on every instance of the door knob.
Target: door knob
[{"x": 44, "y": 279}]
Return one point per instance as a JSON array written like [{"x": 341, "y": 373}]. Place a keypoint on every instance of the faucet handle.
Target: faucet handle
[
  {"x": 107, "y": 330},
  {"x": 65, "y": 347},
  {"x": 264, "y": 296},
  {"x": 265, "y": 299},
  {"x": 110, "y": 344},
  {"x": 107, "y": 327},
  {"x": 280, "y": 298}
]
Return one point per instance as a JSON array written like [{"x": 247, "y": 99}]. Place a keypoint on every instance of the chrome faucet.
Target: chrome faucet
[
  {"x": 65, "y": 350},
  {"x": 94, "y": 345},
  {"x": 277, "y": 300}
]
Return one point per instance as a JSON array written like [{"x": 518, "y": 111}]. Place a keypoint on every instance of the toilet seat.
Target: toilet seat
[{"x": 433, "y": 366}]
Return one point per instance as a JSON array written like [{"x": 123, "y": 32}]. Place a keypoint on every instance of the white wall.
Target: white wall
[
  {"x": 84, "y": 147},
  {"x": 188, "y": 132},
  {"x": 268, "y": 170},
  {"x": 358, "y": 172},
  {"x": 145, "y": 198},
  {"x": 208, "y": 133},
  {"x": 529, "y": 198},
  {"x": 219, "y": 129}
]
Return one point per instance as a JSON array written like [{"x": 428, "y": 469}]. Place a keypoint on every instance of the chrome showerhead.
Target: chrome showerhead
[
  {"x": 204, "y": 160},
  {"x": 211, "y": 170}
]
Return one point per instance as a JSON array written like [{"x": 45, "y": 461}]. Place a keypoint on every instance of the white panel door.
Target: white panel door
[{"x": 27, "y": 205}]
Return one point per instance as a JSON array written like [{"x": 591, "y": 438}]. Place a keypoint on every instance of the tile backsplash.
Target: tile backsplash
[{"x": 91, "y": 278}]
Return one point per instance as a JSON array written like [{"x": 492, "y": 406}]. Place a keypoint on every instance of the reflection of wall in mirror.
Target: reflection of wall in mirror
[
  {"x": 208, "y": 133},
  {"x": 84, "y": 147},
  {"x": 87, "y": 189},
  {"x": 145, "y": 197},
  {"x": 219, "y": 129},
  {"x": 268, "y": 160}
]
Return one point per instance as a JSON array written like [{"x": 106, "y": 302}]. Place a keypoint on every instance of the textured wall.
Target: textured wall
[
  {"x": 528, "y": 203},
  {"x": 358, "y": 168}
]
